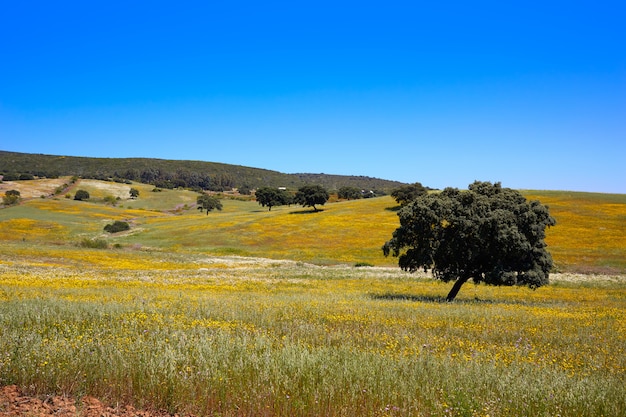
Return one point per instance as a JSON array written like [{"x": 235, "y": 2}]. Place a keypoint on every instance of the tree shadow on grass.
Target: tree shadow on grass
[
  {"x": 307, "y": 211},
  {"x": 395, "y": 208},
  {"x": 442, "y": 299},
  {"x": 409, "y": 297}
]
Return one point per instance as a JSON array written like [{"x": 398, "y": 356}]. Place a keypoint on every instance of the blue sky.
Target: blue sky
[{"x": 531, "y": 94}]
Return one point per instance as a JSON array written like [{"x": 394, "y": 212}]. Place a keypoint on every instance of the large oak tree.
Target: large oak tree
[
  {"x": 487, "y": 233},
  {"x": 311, "y": 195},
  {"x": 270, "y": 197}
]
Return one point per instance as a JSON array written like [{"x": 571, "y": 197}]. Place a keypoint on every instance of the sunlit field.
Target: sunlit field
[
  {"x": 247, "y": 312},
  {"x": 591, "y": 230},
  {"x": 240, "y": 336},
  {"x": 590, "y": 235}
]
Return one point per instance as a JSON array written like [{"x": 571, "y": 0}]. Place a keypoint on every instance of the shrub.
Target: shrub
[
  {"x": 109, "y": 199},
  {"x": 11, "y": 197},
  {"x": 349, "y": 193},
  {"x": 81, "y": 195},
  {"x": 60, "y": 188},
  {"x": 116, "y": 226},
  {"x": 94, "y": 243},
  {"x": 245, "y": 190},
  {"x": 10, "y": 177}
]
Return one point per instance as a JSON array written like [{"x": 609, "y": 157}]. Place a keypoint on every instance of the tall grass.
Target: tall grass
[{"x": 241, "y": 337}]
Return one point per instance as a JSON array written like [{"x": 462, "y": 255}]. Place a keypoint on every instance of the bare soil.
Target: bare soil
[{"x": 13, "y": 402}]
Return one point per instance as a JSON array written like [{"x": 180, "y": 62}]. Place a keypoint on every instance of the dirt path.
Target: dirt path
[{"x": 14, "y": 403}]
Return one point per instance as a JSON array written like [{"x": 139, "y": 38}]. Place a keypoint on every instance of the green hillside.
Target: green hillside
[
  {"x": 175, "y": 172},
  {"x": 590, "y": 235}
]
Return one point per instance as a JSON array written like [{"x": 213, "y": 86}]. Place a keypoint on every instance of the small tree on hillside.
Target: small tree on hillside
[
  {"x": 81, "y": 195},
  {"x": 117, "y": 226},
  {"x": 270, "y": 197},
  {"x": 349, "y": 193},
  {"x": 407, "y": 193},
  {"x": 311, "y": 195},
  {"x": 244, "y": 190},
  {"x": 11, "y": 198},
  {"x": 134, "y": 193},
  {"x": 208, "y": 203},
  {"x": 488, "y": 233}
]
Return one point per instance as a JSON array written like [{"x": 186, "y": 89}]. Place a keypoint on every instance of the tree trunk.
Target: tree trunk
[{"x": 455, "y": 288}]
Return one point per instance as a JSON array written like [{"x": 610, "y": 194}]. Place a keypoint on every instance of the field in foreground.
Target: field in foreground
[{"x": 251, "y": 337}]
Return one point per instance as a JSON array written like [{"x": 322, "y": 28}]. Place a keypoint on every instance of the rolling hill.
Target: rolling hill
[
  {"x": 590, "y": 235},
  {"x": 172, "y": 173}
]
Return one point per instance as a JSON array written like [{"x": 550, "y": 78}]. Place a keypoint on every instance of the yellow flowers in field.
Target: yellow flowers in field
[
  {"x": 23, "y": 228},
  {"x": 158, "y": 321},
  {"x": 590, "y": 231},
  {"x": 268, "y": 335}
]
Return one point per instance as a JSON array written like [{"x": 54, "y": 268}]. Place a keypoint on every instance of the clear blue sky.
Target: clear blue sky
[{"x": 532, "y": 94}]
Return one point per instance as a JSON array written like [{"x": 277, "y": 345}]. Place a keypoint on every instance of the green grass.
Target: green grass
[
  {"x": 243, "y": 337},
  {"x": 590, "y": 235}
]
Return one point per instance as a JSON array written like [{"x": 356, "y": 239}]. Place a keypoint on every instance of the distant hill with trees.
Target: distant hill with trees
[{"x": 166, "y": 173}]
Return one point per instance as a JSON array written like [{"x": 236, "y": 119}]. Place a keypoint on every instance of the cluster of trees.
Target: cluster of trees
[
  {"x": 306, "y": 196},
  {"x": 180, "y": 178},
  {"x": 354, "y": 193},
  {"x": 13, "y": 176},
  {"x": 407, "y": 193}
]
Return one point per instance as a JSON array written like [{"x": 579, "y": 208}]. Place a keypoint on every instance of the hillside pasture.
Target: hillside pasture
[{"x": 590, "y": 235}]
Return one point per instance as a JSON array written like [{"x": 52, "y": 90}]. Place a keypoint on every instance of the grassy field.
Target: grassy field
[
  {"x": 590, "y": 235},
  {"x": 236, "y": 337},
  {"x": 171, "y": 319}
]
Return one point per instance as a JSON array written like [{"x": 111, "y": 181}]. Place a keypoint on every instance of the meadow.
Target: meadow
[{"x": 247, "y": 312}]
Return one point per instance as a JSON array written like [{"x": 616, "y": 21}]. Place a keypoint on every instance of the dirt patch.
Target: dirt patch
[
  {"x": 14, "y": 403},
  {"x": 102, "y": 188},
  {"x": 33, "y": 188}
]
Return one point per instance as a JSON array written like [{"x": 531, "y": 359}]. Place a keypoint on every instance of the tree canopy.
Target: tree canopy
[
  {"x": 134, "y": 193},
  {"x": 208, "y": 203},
  {"x": 117, "y": 226},
  {"x": 81, "y": 195},
  {"x": 407, "y": 193},
  {"x": 270, "y": 197},
  {"x": 11, "y": 197},
  {"x": 488, "y": 234},
  {"x": 311, "y": 195},
  {"x": 349, "y": 193}
]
